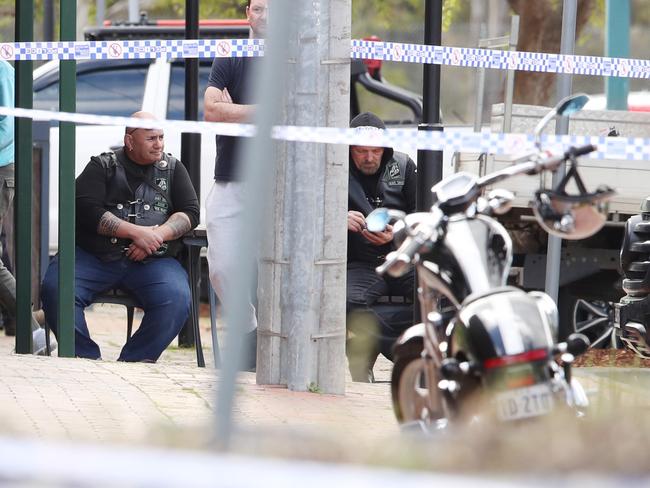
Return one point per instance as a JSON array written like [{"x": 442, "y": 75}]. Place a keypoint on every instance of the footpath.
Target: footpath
[
  {"x": 76, "y": 399},
  {"x": 74, "y": 422}
]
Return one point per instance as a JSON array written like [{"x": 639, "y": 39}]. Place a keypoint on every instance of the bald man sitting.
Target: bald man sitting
[{"x": 132, "y": 207}]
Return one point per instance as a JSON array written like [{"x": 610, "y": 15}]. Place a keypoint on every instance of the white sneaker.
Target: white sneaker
[{"x": 38, "y": 343}]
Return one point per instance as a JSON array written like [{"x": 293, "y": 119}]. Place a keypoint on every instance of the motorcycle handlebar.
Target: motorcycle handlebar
[
  {"x": 403, "y": 255},
  {"x": 536, "y": 166},
  {"x": 579, "y": 151}
]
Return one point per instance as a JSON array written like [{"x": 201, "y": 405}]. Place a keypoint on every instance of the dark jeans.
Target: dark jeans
[
  {"x": 375, "y": 326},
  {"x": 159, "y": 285}
]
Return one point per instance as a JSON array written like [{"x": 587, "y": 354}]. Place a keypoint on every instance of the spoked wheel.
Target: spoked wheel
[
  {"x": 414, "y": 400},
  {"x": 595, "y": 319}
]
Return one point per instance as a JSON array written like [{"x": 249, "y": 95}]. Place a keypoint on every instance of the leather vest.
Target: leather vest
[
  {"x": 150, "y": 204},
  {"x": 388, "y": 193}
]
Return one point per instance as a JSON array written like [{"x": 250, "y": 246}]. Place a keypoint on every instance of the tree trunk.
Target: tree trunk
[{"x": 540, "y": 30}]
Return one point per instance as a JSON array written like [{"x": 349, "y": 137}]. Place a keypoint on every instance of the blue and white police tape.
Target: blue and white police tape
[
  {"x": 387, "y": 51},
  {"x": 506, "y": 60},
  {"x": 140, "y": 49},
  {"x": 515, "y": 145}
]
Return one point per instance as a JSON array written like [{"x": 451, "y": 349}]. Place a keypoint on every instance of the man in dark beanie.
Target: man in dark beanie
[{"x": 379, "y": 177}]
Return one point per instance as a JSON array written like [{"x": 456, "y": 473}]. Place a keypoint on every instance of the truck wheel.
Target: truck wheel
[{"x": 595, "y": 319}]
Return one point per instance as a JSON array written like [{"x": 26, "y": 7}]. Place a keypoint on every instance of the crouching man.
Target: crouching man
[
  {"x": 379, "y": 177},
  {"x": 132, "y": 207}
]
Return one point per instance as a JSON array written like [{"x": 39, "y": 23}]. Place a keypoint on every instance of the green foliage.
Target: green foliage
[
  {"x": 400, "y": 14},
  {"x": 314, "y": 388}
]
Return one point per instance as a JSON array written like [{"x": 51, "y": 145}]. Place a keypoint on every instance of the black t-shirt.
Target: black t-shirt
[{"x": 233, "y": 74}]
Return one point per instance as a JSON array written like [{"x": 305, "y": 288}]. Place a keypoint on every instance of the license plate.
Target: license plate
[{"x": 523, "y": 403}]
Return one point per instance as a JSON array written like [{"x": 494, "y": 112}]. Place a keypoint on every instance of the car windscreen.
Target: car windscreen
[
  {"x": 106, "y": 90},
  {"x": 176, "y": 101}
]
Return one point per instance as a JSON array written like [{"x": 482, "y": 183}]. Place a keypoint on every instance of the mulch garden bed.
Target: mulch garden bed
[{"x": 621, "y": 358}]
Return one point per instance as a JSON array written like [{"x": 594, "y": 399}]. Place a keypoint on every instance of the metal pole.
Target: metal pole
[
  {"x": 301, "y": 291},
  {"x": 510, "y": 76},
  {"x": 617, "y": 44},
  {"x": 191, "y": 143},
  {"x": 258, "y": 169},
  {"x": 24, "y": 175},
  {"x": 101, "y": 12},
  {"x": 48, "y": 20},
  {"x": 67, "y": 140},
  {"x": 564, "y": 86},
  {"x": 480, "y": 86},
  {"x": 314, "y": 338},
  {"x": 134, "y": 10},
  {"x": 430, "y": 162}
]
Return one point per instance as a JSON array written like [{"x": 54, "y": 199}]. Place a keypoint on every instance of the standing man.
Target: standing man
[
  {"x": 228, "y": 98},
  {"x": 132, "y": 206},
  {"x": 7, "y": 281},
  {"x": 379, "y": 177}
]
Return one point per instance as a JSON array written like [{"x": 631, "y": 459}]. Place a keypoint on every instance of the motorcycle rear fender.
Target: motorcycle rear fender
[{"x": 413, "y": 337}]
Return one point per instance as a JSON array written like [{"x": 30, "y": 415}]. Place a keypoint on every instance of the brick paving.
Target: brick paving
[{"x": 58, "y": 398}]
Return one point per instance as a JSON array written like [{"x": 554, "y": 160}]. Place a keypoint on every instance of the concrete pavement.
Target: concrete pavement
[
  {"x": 47, "y": 402},
  {"x": 75, "y": 399}
]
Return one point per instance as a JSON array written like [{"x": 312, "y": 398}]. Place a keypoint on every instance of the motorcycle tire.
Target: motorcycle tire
[{"x": 409, "y": 391}]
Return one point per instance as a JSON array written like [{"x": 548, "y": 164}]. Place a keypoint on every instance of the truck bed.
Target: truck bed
[{"x": 629, "y": 178}]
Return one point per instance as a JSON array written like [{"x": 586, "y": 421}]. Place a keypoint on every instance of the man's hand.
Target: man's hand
[
  {"x": 147, "y": 239},
  {"x": 225, "y": 96},
  {"x": 379, "y": 238},
  {"x": 134, "y": 253},
  {"x": 356, "y": 221}
]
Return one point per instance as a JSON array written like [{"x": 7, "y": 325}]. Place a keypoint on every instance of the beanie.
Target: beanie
[{"x": 367, "y": 119}]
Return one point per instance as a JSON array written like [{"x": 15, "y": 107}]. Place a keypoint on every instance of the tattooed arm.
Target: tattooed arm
[
  {"x": 176, "y": 226},
  {"x": 148, "y": 239},
  {"x": 109, "y": 225}
]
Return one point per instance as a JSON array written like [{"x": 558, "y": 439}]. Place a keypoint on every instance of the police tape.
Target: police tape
[
  {"x": 137, "y": 49},
  {"x": 504, "y": 60},
  {"x": 360, "y": 49},
  {"x": 452, "y": 139}
]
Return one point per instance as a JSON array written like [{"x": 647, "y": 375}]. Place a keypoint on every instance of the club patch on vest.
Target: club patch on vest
[
  {"x": 161, "y": 183},
  {"x": 160, "y": 204},
  {"x": 392, "y": 175}
]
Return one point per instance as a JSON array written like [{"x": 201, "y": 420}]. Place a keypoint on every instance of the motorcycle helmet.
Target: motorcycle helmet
[{"x": 572, "y": 216}]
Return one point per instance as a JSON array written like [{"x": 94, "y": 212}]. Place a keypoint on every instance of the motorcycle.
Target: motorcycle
[
  {"x": 632, "y": 313},
  {"x": 479, "y": 337}
]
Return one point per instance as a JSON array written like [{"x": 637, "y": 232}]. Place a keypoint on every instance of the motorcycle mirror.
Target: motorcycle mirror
[
  {"x": 572, "y": 104},
  {"x": 379, "y": 218},
  {"x": 565, "y": 107}
]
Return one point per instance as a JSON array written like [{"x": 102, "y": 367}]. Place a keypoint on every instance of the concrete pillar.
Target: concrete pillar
[{"x": 302, "y": 274}]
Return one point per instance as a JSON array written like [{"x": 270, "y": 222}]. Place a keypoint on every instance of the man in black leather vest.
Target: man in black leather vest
[
  {"x": 379, "y": 177},
  {"x": 132, "y": 207}
]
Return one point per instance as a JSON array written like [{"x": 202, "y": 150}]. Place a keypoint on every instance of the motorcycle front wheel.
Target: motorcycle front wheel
[{"x": 414, "y": 400}]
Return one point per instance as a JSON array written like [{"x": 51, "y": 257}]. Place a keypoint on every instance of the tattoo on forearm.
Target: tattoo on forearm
[
  {"x": 179, "y": 223},
  {"x": 108, "y": 224}
]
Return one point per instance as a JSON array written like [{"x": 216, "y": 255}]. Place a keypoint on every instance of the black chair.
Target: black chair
[{"x": 118, "y": 296}]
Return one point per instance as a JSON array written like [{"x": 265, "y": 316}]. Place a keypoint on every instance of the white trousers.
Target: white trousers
[{"x": 224, "y": 206}]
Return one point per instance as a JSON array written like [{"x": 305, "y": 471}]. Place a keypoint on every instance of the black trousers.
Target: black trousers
[{"x": 373, "y": 327}]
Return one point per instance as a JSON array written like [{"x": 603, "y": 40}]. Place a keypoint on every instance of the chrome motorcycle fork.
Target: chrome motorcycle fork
[
  {"x": 434, "y": 330},
  {"x": 434, "y": 338}
]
